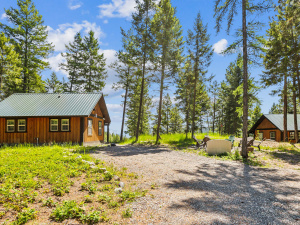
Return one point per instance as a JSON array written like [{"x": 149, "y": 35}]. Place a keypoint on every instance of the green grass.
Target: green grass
[
  {"x": 30, "y": 173},
  {"x": 175, "y": 140}
]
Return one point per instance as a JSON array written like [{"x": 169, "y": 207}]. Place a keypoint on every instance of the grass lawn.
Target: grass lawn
[
  {"x": 174, "y": 140},
  {"x": 50, "y": 184}
]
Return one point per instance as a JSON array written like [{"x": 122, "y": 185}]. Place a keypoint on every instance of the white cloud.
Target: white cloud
[
  {"x": 3, "y": 16},
  {"x": 220, "y": 46},
  {"x": 74, "y": 4},
  {"x": 117, "y": 8},
  {"x": 54, "y": 62},
  {"x": 114, "y": 107},
  {"x": 66, "y": 32},
  {"x": 105, "y": 21}
]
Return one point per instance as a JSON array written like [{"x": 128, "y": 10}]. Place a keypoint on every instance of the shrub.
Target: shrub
[
  {"x": 49, "y": 203},
  {"x": 91, "y": 218},
  {"x": 103, "y": 198},
  {"x": 127, "y": 213},
  {"x": 24, "y": 216},
  {"x": 108, "y": 176},
  {"x": 67, "y": 210},
  {"x": 128, "y": 195},
  {"x": 88, "y": 199}
]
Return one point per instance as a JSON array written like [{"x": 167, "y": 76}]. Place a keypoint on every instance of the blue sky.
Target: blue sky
[{"x": 66, "y": 17}]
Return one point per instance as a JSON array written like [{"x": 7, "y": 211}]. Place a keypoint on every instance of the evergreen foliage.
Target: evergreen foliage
[
  {"x": 73, "y": 65},
  {"x": 144, "y": 50},
  {"x": 10, "y": 69},
  {"x": 29, "y": 37},
  {"x": 169, "y": 46},
  {"x": 200, "y": 53},
  {"x": 124, "y": 66},
  {"x": 53, "y": 85},
  {"x": 93, "y": 68}
]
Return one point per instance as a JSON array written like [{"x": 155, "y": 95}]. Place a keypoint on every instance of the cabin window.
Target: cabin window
[
  {"x": 90, "y": 127},
  {"x": 292, "y": 135},
  {"x": 65, "y": 125},
  {"x": 53, "y": 124},
  {"x": 10, "y": 125},
  {"x": 21, "y": 125},
  {"x": 260, "y": 135},
  {"x": 100, "y": 128},
  {"x": 272, "y": 135}
]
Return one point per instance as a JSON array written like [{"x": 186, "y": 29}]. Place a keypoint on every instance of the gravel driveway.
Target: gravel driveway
[{"x": 194, "y": 189}]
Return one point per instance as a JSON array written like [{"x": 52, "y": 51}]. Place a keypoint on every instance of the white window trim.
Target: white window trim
[
  {"x": 54, "y": 125},
  {"x": 90, "y": 129},
  {"x": 10, "y": 126},
  {"x": 68, "y": 124},
  {"x": 100, "y": 128},
  {"x": 292, "y": 137},
  {"x": 21, "y": 125},
  {"x": 273, "y": 132}
]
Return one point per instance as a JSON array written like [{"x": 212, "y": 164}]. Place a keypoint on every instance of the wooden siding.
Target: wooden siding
[
  {"x": 39, "y": 128},
  {"x": 266, "y": 124},
  {"x": 95, "y": 137},
  {"x": 266, "y": 134}
]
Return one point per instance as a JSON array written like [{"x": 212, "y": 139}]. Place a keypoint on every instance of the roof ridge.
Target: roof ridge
[{"x": 65, "y": 93}]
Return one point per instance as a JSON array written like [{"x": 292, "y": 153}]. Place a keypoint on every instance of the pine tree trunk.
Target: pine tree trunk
[
  {"x": 187, "y": 117},
  {"x": 160, "y": 101},
  {"x": 124, "y": 109},
  {"x": 214, "y": 116},
  {"x": 194, "y": 104},
  {"x": 143, "y": 79},
  {"x": 295, "y": 110},
  {"x": 285, "y": 102},
  {"x": 245, "y": 82},
  {"x": 25, "y": 69}
]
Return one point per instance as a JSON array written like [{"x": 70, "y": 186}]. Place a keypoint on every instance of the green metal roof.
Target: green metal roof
[
  {"x": 41, "y": 104},
  {"x": 277, "y": 120}
]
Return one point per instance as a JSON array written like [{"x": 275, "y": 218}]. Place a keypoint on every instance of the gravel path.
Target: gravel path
[{"x": 194, "y": 189}]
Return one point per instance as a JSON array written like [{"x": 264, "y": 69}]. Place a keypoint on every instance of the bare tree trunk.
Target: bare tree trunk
[
  {"x": 160, "y": 101},
  {"x": 245, "y": 83},
  {"x": 194, "y": 104},
  {"x": 124, "y": 110},
  {"x": 285, "y": 135},
  {"x": 214, "y": 116},
  {"x": 295, "y": 110},
  {"x": 143, "y": 83}
]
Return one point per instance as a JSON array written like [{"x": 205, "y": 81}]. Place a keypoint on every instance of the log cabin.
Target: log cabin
[
  {"x": 40, "y": 118},
  {"x": 270, "y": 126}
]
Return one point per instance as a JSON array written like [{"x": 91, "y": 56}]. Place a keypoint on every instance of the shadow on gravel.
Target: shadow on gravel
[
  {"x": 242, "y": 194},
  {"x": 293, "y": 159},
  {"x": 127, "y": 150}
]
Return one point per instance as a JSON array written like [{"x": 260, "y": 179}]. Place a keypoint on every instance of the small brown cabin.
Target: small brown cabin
[
  {"x": 270, "y": 126},
  {"x": 53, "y": 118}
]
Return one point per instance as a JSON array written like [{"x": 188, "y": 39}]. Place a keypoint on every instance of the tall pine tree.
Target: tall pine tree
[
  {"x": 29, "y": 36},
  {"x": 169, "y": 46},
  {"x": 200, "y": 53},
  {"x": 10, "y": 69}
]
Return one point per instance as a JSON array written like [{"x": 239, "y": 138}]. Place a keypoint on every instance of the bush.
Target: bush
[
  {"x": 67, "y": 210},
  {"x": 24, "y": 216},
  {"x": 127, "y": 213},
  {"x": 104, "y": 198},
  {"x": 91, "y": 218}
]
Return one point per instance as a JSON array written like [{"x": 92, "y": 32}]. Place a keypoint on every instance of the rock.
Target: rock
[
  {"x": 118, "y": 190},
  {"x": 93, "y": 166},
  {"x": 121, "y": 184},
  {"x": 116, "y": 178}
]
